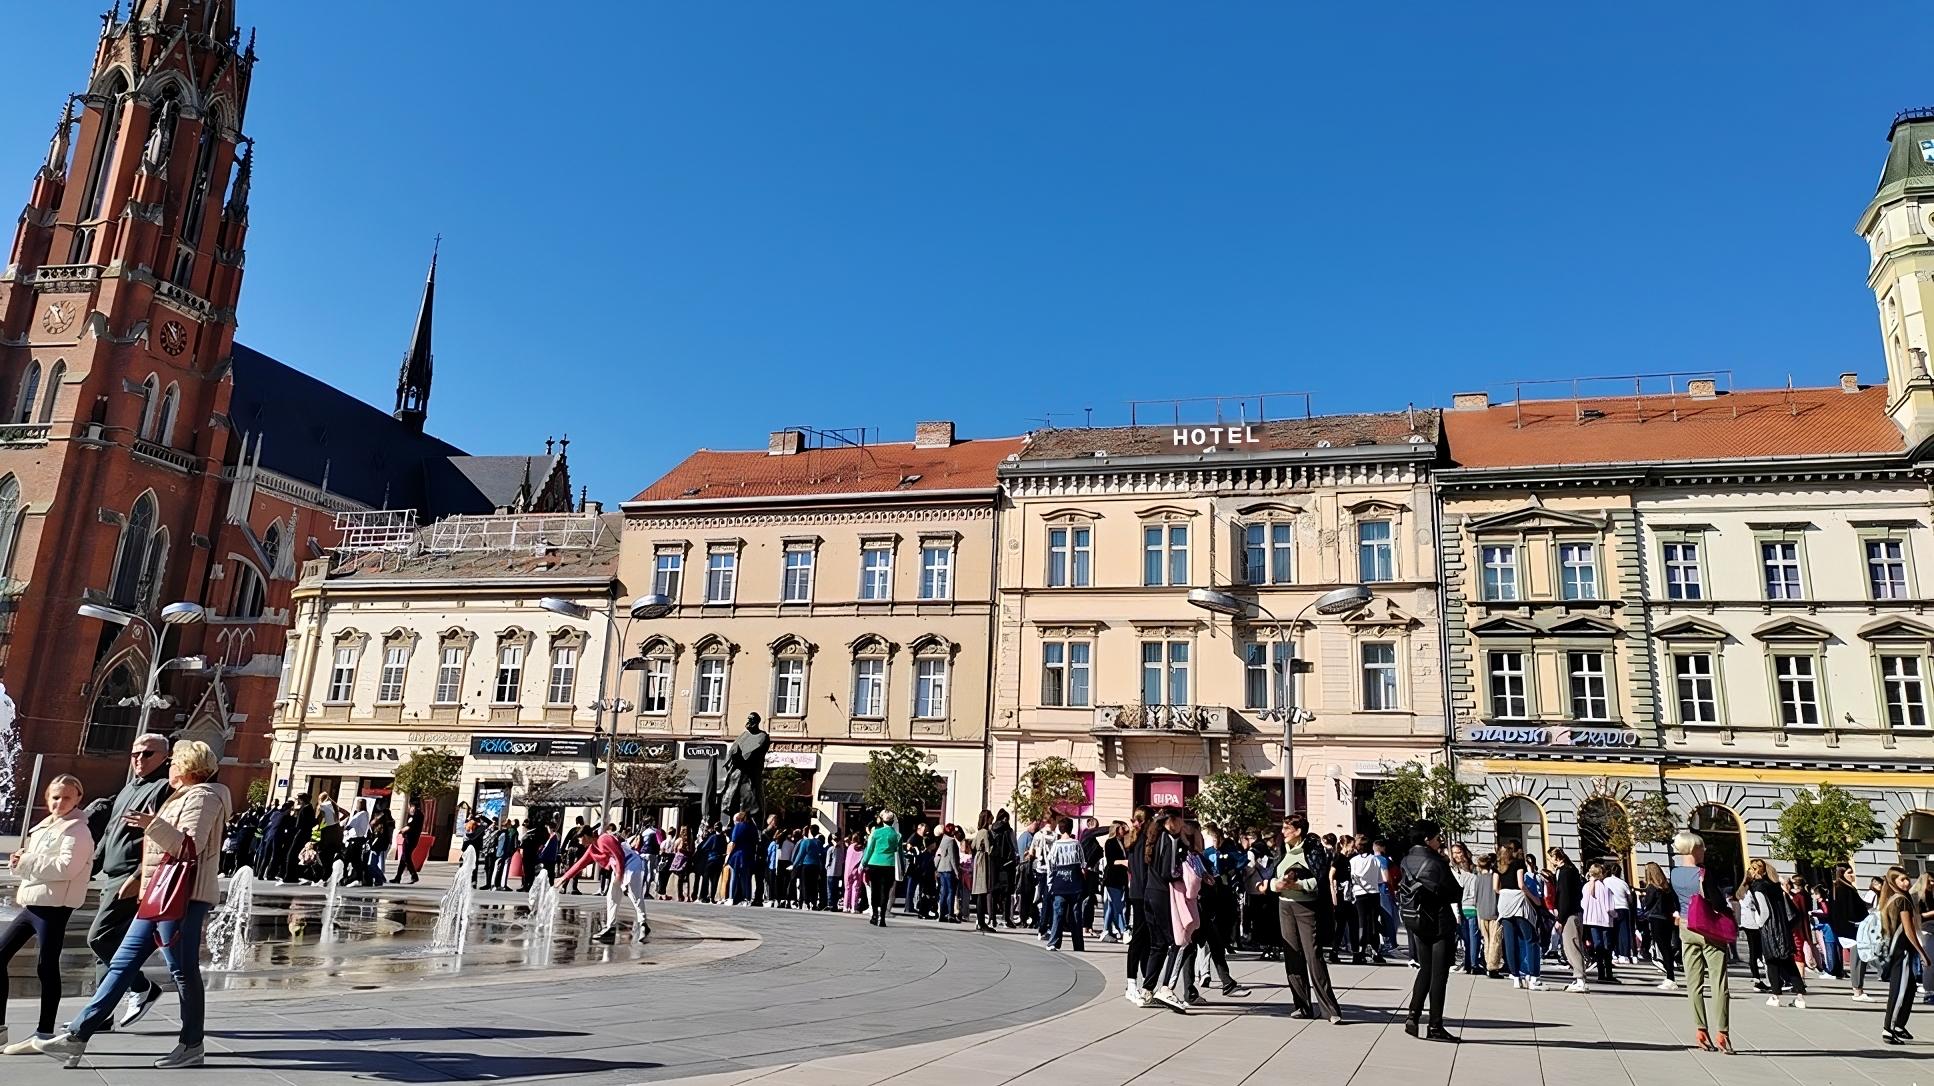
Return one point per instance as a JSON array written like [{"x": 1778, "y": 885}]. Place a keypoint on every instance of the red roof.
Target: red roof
[
  {"x": 900, "y": 468},
  {"x": 1729, "y": 426}
]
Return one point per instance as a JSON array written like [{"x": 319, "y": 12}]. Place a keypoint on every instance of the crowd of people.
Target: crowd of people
[{"x": 299, "y": 841}]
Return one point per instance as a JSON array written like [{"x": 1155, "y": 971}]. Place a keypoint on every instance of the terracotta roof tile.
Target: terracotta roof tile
[
  {"x": 901, "y": 468},
  {"x": 1393, "y": 428},
  {"x": 1729, "y": 426}
]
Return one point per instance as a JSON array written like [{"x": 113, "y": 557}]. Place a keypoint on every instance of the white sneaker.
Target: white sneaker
[
  {"x": 1533, "y": 984},
  {"x": 1517, "y": 982},
  {"x": 64, "y": 1046},
  {"x": 1576, "y": 986},
  {"x": 1772, "y": 1001},
  {"x": 1668, "y": 986},
  {"x": 1167, "y": 997},
  {"x": 1862, "y": 997},
  {"x": 137, "y": 1005},
  {"x": 1137, "y": 996},
  {"x": 1799, "y": 1002}
]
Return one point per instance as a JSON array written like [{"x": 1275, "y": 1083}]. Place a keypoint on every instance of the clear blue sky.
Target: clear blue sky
[{"x": 672, "y": 225}]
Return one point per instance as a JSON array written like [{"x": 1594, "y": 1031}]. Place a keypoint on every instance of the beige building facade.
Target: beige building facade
[
  {"x": 1103, "y": 660},
  {"x": 841, "y": 589}
]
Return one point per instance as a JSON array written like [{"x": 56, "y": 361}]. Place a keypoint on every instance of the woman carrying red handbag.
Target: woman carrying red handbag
[
  {"x": 1706, "y": 929},
  {"x": 177, "y": 891}
]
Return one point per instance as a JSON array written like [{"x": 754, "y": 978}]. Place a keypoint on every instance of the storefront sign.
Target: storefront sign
[
  {"x": 352, "y": 752},
  {"x": 793, "y": 758},
  {"x": 660, "y": 751},
  {"x": 437, "y": 737},
  {"x": 1166, "y": 792},
  {"x": 703, "y": 751},
  {"x": 1555, "y": 737},
  {"x": 536, "y": 747}
]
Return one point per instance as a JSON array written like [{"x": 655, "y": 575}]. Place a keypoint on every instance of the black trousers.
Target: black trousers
[
  {"x": 1434, "y": 953},
  {"x": 1308, "y": 974},
  {"x": 1900, "y": 988},
  {"x": 406, "y": 863},
  {"x": 1343, "y": 936},
  {"x": 1661, "y": 936},
  {"x": 48, "y": 925},
  {"x": 1137, "y": 938},
  {"x": 879, "y": 881},
  {"x": 1369, "y": 920}
]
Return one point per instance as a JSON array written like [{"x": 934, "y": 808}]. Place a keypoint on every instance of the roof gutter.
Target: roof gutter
[
  {"x": 657, "y": 505},
  {"x": 1823, "y": 462},
  {"x": 1348, "y": 454}
]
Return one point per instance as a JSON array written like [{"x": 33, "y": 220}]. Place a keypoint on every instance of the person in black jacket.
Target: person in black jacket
[
  {"x": 117, "y": 859},
  {"x": 1775, "y": 933},
  {"x": 1428, "y": 897},
  {"x": 1570, "y": 914}
]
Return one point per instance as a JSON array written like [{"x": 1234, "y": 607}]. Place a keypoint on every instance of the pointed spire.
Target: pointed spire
[
  {"x": 413, "y": 383},
  {"x": 57, "y": 151},
  {"x": 237, "y": 209}
]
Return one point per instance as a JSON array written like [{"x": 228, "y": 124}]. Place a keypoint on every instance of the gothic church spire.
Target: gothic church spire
[{"x": 413, "y": 383}]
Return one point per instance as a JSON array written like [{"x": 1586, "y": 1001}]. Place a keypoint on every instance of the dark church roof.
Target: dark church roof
[{"x": 322, "y": 435}]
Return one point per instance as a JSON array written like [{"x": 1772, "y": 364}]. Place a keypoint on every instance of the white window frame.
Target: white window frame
[
  {"x": 789, "y": 686},
  {"x": 449, "y": 675},
  {"x": 1903, "y": 688},
  {"x": 1588, "y": 690},
  {"x": 1684, "y": 575},
  {"x": 1578, "y": 570},
  {"x": 1075, "y": 678},
  {"x": 1070, "y": 555},
  {"x": 1172, "y": 665},
  {"x": 1886, "y": 573},
  {"x": 869, "y": 687},
  {"x": 708, "y": 689},
  {"x": 1377, "y": 558},
  {"x": 1169, "y": 547},
  {"x": 668, "y": 573},
  {"x": 510, "y": 674},
  {"x": 721, "y": 576},
  {"x": 389, "y": 681},
  {"x": 1503, "y": 559},
  {"x": 560, "y": 687},
  {"x": 1268, "y": 552},
  {"x": 1388, "y": 683},
  {"x": 655, "y": 686},
  {"x": 876, "y": 573},
  {"x": 1695, "y": 688},
  {"x": 342, "y": 675},
  {"x": 930, "y": 676},
  {"x": 1772, "y": 557},
  {"x": 1500, "y": 680},
  {"x": 936, "y": 571},
  {"x": 1790, "y": 678},
  {"x": 796, "y": 569}
]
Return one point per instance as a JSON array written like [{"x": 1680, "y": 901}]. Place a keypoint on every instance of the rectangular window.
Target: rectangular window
[
  {"x": 1799, "y": 690},
  {"x": 1065, "y": 672},
  {"x": 1263, "y": 674},
  {"x": 342, "y": 677},
  {"x": 1165, "y": 554},
  {"x": 1165, "y": 672},
  {"x": 1906, "y": 695},
  {"x": 721, "y": 576},
  {"x": 1500, "y": 572},
  {"x": 936, "y": 571},
  {"x": 798, "y": 577},
  {"x": 1379, "y": 675},
  {"x": 389, "y": 685},
  {"x": 1692, "y": 673},
  {"x": 1266, "y": 553},
  {"x": 1375, "y": 553},
  {"x": 1508, "y": 699},
  {"x": 564, "y": 676},
  {"x": 1682, "y": 579},
  {"x": 929, "y": 689},
  {"x": 510, "y": 674},
  {"x": 1589, "y": 700},
  {"x": 667, "y": 574},
  {"x": 789, "y": 687},
  {"x": 869, "y": 687},
  {"x": 1578, "y": 568},
  {"x": 449, "y": 675},
  {"x": 1781, "y": 559},
  {"x": 710, "y": 697},
  {"x": 655, "y": 689},
  {"x": 1070, "y": 556},
  {"x": 876, "y": 574},
  {"x": 1886, "y": 569}
]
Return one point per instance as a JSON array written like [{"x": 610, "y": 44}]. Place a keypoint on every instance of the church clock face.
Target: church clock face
[
  {"x": 60, "y": 316},
  {"x": 174, "y": 338}
]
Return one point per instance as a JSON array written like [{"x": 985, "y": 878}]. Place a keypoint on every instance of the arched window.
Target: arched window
[
  {"x": 115, "y": 714},
  {"x": 9, "y": 523},
  {"x": 1520, "y": 819},
  {"x": 150, "y": 406},
  {"x": 164, "y": 430},
  {"x": 272, "y": 547},
  {"x": 1604, "y": 833},
  {"x": 94, "y": 187},
  {"x": 1725, "y": 844},
  {"x": 54, "y": 379},
  {"x": 132, "y": 562},
  {"x": 23, "y": 411},
  {"x": 157, "y": 567},
  {"x": 1917, "y": 842},
  {"x": 196, "y": 211},
  {"x": 245, "y": 600}
]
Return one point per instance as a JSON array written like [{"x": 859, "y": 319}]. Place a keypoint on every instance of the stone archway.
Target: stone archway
[
  {"x": 1520, "y": 818},
  {"x": 1725, "y": 842},
  {"x": 1914, "y": 836},
  {"x": 1604, "y": 834}
]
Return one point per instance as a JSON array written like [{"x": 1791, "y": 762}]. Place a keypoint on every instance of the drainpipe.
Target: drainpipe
[{"x": 1443, "y": 613}]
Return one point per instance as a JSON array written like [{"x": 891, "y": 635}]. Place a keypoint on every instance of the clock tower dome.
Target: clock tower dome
[{"x": 1898, "y": 226}]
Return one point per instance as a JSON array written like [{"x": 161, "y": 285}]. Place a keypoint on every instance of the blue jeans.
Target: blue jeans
[
  {"x": 741, "y": 884},
  {"x": 1523, "y": 957},
  {"x": 1044, "y": 914},
  {"x": 948, "y": 885},
  {"x": 1473, "y": 944},
  {"x": 1067, "y": 917},
  {"x": 1114, "y": 911},
  {"x": 1389, "y": 902},
  {"x": 180, "y": 948}
]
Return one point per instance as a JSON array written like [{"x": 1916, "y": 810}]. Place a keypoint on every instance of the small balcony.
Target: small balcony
[
  {"x": 24, "y": 435},
  {"x": 1182, "y": 719},
  {"x": 172, "y": 459}
]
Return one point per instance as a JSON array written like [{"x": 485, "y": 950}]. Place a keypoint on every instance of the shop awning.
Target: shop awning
[
  {"x": 696, "y": 770},
  {"x": 844, "y": 782},
  {"x": 585, "y": 791}
]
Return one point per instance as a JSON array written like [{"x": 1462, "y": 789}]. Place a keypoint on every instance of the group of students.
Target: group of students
[{"x": 299, "y": 841}]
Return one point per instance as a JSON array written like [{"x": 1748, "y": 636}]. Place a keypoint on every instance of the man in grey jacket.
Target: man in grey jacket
[{"x": 117, "y": 863}]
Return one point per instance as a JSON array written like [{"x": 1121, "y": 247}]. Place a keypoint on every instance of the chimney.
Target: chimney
[
  {"x": 1850, "y": 382},
  {"x": 1702, "y": 388},
  {"x": 1470, "y": 401},
  {"x": 933, "y": 435},
  {"x": 783, "y": 442},
  {"x": 593, "y": 508}
]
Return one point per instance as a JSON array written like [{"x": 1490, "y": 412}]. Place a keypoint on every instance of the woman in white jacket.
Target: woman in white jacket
[{"x": 53, "y": 865}]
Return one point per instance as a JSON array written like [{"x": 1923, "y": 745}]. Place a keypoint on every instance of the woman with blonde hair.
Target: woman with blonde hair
[
  {"x": 1703, "y": 901},
  {"x": 1776, "y": 931},
  {"x": 187, "y": 829},
  {"x": 52, "y": 864},
  {"x": 1900, "y": 941}
]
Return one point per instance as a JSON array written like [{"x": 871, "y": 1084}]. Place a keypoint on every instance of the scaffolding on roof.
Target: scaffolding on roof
[
  {"x": 509, "y": 532},
  {"x": 365, "y": 530}
]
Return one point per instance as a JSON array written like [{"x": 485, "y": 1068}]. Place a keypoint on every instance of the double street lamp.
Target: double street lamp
[
  {"x": 1334, "y": 602},
  {"x": 175, "y": 614},
  {"x": 649, "y": 606}
]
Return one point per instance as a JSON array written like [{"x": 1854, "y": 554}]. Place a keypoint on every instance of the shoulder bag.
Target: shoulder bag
[
  {"x": 1716, "y": 927},
  {"x": 166, "y": 895}
]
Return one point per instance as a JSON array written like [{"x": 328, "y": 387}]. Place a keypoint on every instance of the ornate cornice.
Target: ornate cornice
[
  {"x": 1230, "y": 480},
  {"x": 647, "y": 523}
]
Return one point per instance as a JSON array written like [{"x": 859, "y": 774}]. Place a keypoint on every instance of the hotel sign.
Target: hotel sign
[
  {"x": 1554, "y": 737},
  {"x": 1210, "y": 437}
]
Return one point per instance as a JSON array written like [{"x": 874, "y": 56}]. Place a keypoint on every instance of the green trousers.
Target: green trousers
[{"x": 1702, "y": 958}]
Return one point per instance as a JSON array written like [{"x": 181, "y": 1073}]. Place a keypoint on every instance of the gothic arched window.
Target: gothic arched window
[
  {"x": 250, "y": 593},
  {"x": 150, "y": 405},
  {"x": 94, "y": 187},
  {"x": 23, "y": 410},
  {"x": 9, "y": 523},
  {"x": 132, "y": 562},
  {"x": 116, "y": 712},
  {"x": 164, "y": 429},
  {"x": 54, "y": 379}
]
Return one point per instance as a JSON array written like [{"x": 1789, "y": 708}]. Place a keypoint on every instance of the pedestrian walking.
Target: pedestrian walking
[
  {"x": 946, "y": 870},
  {"x": 1659, "y": 906},
  {"x": 1900, "y": 948},
  {"x": 1300, "y": 876},
  {"x": 1428, "y": 899},
  {"x": 1706, "y": 928},
  {"x": 1155, "y": 865},
  {"x": 1517, "y": 896},
  {"x": 1366, "y": 892},
  {"x": 352, "y": 837},
  {"x": 412, "y": 834},
  {"x": 1569, "y": 913},
  {"x": 1490, "y": 931},
  {"x": 881, "y": 855},
  {"x": 52, "y": 864},
  {"x": 1065, "y": 886},
  {"x": 1778, "y": 922},
  {"x": 1114, "y": 883},
  {"x": 854, "y": 873},
  {"x": 117, "y": 862},
  {"x": 1465, "y": 872},
  {"x": 1600, "y": 911},
  {"x": 981, "y": 881}
]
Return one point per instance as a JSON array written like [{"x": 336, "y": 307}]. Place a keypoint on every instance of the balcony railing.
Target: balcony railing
[
  {"x": 1192, "y": 719},
  {"x": 189, "y": 302},
  {"x": 66, "y": 275},
  {"x": 24, "y": 435},
  {"x": 165, "y": 456}
]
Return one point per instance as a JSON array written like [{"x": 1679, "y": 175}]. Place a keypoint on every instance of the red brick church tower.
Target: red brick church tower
[{"x": 117, "y": 323}]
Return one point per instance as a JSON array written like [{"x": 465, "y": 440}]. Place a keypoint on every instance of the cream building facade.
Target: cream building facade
[
  {"x": 840, "y": 588},
  {"x": 1103, "y": 660},
  {"x": 439, "y": 642}
]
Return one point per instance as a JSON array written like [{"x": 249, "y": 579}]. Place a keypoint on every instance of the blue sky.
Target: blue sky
[{"x": 681, "y": 225}]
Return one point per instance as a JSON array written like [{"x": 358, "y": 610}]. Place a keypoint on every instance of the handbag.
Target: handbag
[
  {"x": 166, "y": 895},
  {"x": 1716, "y": 927}
]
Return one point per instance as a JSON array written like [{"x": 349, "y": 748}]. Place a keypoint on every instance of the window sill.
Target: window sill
[{"x": 397, "y": 703}]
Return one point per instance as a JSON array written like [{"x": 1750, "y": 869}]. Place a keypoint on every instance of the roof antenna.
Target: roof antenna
[{"x": 1089, "y": 414}]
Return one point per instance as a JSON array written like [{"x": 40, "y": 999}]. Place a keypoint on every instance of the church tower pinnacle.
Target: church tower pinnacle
[
  {"x": 413, "y": 383},
  {"x": 1898, "y": 226}
]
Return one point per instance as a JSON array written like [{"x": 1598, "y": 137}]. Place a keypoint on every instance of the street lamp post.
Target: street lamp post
[
  {"x": 175, "y": 614},
  {"x": 1334, "y": 602},
  {"x": 649, "y": 606}
]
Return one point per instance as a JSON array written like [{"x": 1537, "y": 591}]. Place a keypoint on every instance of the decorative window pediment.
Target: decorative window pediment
[
  {"x": 1690, "y": 629},
  {"x": 1263, "y": 510},
  {"x": 1794, "y": 630},
  {"x": 351, "y": 638},
  {"x": 792, "y": 645},
  {"x": 1585, "y": 626},
  {"x": 456, "y": 637},
  {"x": 1897, "y": 630},
  {"x": 568, "y": 637},
  {"x": 1381, "y": 614},
  {"x": 1375, "y": 507},
  {"x": 514, "y": 635},
  {"x": 871, "y": 644},
  {"x": 714, "y": 645},
  {"x": 1506, "y": 626},
  {"x": 1165, "y": 512},
  {"x": 1070, "y": 513},
  {"x": 659, "y": 645},
  {"x": 1533, "y": 518},
  {"x": 930, "y": 644},
  {"x": 401, "y": 636}
]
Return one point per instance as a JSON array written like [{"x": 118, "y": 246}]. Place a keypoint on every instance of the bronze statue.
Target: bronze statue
[{"x": 743, "y": 787}]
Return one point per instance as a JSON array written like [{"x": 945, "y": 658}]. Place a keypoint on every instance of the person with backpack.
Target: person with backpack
[
  {"x": 1846, "y": 911},
  {"x": 1706, "y": 928},
  {"x": 1773, "y": 909},
  {"x": 1900, "y": 945},
  {"x": 1427, "y": 901}
]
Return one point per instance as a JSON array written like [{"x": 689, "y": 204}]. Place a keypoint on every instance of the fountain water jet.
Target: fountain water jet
[
  {"x": 453, "y": 912},
  {"x": 541, "y": 925},
  {"x": 227, "y": 934},
  {"x": 331, "y": 900},
  {"x": 10, "y": 764}
]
